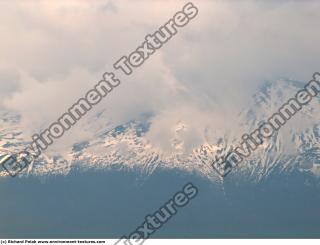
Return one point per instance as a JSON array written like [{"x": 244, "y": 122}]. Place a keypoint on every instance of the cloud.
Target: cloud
[{"x": 52, "y": 52}]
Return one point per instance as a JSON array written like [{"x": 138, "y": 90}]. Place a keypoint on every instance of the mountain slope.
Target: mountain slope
[{"x": 295, "y": 147}]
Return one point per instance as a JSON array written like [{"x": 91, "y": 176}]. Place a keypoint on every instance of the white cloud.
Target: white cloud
[{"x": 54, "y": 51}]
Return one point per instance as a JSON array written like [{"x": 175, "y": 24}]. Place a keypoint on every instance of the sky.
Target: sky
[{"x": 52, "y": 52}]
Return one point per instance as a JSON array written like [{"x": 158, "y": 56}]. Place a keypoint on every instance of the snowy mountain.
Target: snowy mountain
[{"x": 295, "y": 147}]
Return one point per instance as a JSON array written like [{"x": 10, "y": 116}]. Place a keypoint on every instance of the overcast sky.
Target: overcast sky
[{"x": 52, "y": 52}]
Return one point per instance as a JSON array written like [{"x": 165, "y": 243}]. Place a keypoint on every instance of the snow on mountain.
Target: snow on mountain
[{"x": 295, "y": 147}]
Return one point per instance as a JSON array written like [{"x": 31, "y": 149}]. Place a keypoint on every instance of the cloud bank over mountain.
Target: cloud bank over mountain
[{"x": 53, "y": 52}]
